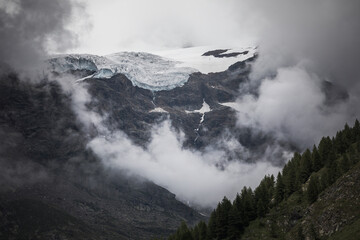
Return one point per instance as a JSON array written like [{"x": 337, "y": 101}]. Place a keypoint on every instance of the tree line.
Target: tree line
[{"x": 308, "y": 173}]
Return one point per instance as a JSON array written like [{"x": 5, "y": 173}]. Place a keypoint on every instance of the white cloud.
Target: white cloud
[
  {"x": 291, "y": 106},
  {"x": 152, "y": 25},
  {"x": 191, "y": 175}
]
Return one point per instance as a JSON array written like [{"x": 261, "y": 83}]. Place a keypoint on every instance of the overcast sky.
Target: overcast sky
[{"x": 158, "y": 24}]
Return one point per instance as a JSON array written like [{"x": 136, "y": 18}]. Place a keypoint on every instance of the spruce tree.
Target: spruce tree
[
  {"x": 279, "y": 189},
  {"x": 325, "y": 147},
  {"x": 316, "y": 160},
  {"x": 202, "y": 231},
  {"x": 183, "y": 233},
  {"x": 356, "y": 131},
  {"x": 235, "y": 223},
  {"x": 312, "y": 190},
  {"x": 222, "y": 218},
  {"x": 344, "y": 163},
  {"x": 305, "y": 166},
  {"x": 211, "y": 230}
]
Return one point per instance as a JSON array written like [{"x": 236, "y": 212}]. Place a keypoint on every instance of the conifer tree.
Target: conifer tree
[
  {"x": 305, "y": 166},
  {"x": 211, "y": 230},
  {"x": 290, "y": 181},
  {"x": 202, "y": 231},
  {"x": 261, "y": 208},
  {"x": 325, "y": 147},
  {"x": 316, "y": 160},
  {"x": 279, "y": 189},
  {"x": 235, "y": 223},
  {"x": 344, "y": 163},
  {"x": 356, "y": 131},
  {"x": 312, "y": 190},
  {"x": 333, "y": 172},
  {"x": 222, "y": 218},
  {"x": 183, "y": 233}
]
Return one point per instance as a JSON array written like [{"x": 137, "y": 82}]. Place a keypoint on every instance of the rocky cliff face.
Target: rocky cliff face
[
  {"x": 134, "y": 110},
  {"x": 53, "y": 187}
]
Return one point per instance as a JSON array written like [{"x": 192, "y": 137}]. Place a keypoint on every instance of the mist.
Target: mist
[
  {"x": 301, "y": 46},
  {"x": 193, "y": 176},
  {"x": 140, "y": 25},
  {"x": 31, "y": 29}
]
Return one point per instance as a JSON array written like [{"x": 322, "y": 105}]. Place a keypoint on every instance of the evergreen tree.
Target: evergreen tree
[
  {"x": 356, "y": 131},
  {"x": 195, "y": 233},
  {"x": 183, "y": 233},
  {"x": 211, "y": 230},
  {"x": 261, "y": 208},
  {"x": 324, "y": 179},
  {"x": 290, "y": 181},
  {"x": 325, "y": 147},
  {"x": 279, "y": 189},
  {"x": 333, "y": 172},
  {"x": 248, "y": 211},
  {"x": 312, "y": 190},
  {"x": 316, "y": 160},
  {"x": 344, "y": 163},
  {"x": 305, "y": 166},
  {"x": 222, "y": 218},
  {"x": 202, "y": 231},
  {"x": 235, "y": 223}
]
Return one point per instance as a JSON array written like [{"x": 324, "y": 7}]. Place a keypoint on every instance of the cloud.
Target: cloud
[
  {"x": 291, "y": 106},
  {"x": 192, "y": 175},
  {"x": 144, "y": 25},
  {"x": 301, "y": 45},
  {"x": 200, "y": 178},
  {"x": 29, "y": 29}
]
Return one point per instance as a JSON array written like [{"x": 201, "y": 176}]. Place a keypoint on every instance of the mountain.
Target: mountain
[
  {"x": 54, "y": 186},
  {"x": 315, "y": 196},
  {"x": 136, "y": 90}
]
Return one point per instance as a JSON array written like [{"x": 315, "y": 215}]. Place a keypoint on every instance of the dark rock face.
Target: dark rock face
[
  {"x": 129, "y": 108},
  {"x": 53, "y": 187},
  {"x": 221, "y": 53}
]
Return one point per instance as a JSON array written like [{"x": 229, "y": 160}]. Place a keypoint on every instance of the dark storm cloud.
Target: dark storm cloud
[
  {"x": 29, "y": 28},
  {"x": 302, "y": 44},
  {"x": 324, "y": 32}
]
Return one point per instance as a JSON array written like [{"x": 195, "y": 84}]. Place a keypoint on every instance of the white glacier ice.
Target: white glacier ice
[{"x": 164, "y": 71}]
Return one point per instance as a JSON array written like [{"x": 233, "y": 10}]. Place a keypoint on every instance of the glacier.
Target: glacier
[{"x": 156, "y": 72}]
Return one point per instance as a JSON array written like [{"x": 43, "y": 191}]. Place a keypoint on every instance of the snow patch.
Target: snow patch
[
  {"x": 232, "y": 105},
  {"x": 204, "y": 109},
  {"x": 158, "y": 110},
  {"x": 192, "y": 57}
]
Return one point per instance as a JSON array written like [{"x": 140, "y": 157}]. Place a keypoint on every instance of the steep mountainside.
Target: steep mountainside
[
  {"x": 335, "y": 215},
  {"x": 315, "y": 196},
  {"x": 53, "y": 187},
  {"x": 48, "y": 171}
]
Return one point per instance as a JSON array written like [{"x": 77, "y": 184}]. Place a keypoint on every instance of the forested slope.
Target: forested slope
[{"x": 315, "y": 196}]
